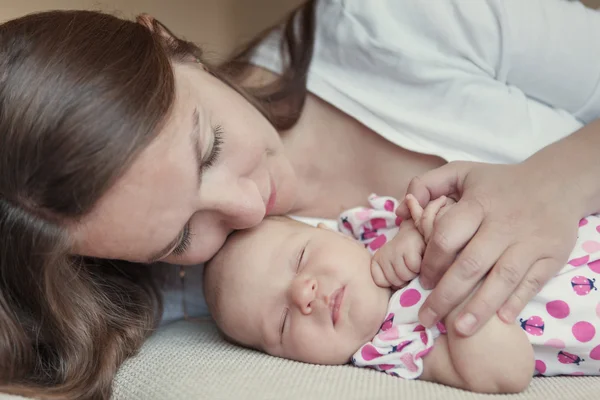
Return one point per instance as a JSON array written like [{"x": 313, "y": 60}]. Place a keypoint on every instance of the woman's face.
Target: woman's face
[{"x": 216, "y": 165}]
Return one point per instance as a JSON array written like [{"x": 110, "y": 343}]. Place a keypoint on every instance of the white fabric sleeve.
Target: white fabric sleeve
[{"x": 550, "y": 51}]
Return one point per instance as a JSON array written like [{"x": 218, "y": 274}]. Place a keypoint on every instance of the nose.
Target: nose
[
  {"x": 237, "y": 201},
  {"x": 304, "y": 292}
]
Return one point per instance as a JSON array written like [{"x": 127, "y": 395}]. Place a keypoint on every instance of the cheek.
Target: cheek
[
  {"x": 207, "y": 238},
  {"x": 316, "y": 344}
]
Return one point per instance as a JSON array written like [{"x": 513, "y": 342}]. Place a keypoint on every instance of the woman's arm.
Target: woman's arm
[{"x": 497, "y": 359}]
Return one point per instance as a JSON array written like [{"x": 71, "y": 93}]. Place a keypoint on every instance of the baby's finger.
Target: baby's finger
[
  {"x": 412, "y": 261},
  {"x": 396, "y": 279},
  {"x": 416, "y": 211},
  {"x": 429, "y": 215},
  {"x": 378, "y": 276},
  {"x": 537, "y": 276}
]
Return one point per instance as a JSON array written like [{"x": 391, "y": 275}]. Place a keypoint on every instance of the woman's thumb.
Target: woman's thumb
[{"x": 442, "y": 181}]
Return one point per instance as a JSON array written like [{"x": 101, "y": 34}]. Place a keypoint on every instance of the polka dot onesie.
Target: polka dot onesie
[{"x": 562, "y": 321}]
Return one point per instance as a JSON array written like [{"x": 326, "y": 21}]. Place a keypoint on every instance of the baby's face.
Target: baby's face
[{"x": 297, "y": 292}]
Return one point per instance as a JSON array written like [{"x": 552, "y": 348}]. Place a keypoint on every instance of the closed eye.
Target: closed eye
[
  {"x": 282, "y": 325},
  {"x": 213, "y": 156},
  {"x": 300, "y": 257}
]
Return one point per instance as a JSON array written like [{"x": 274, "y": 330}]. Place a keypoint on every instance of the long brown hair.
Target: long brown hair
[{"x": 81, "y": 94}]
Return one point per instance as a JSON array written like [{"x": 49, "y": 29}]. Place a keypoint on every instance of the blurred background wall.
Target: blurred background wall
[{"x": 217, "y": 25}]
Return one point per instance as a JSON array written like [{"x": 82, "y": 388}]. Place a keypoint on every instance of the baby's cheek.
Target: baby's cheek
[{"x": 317, "y": 345}]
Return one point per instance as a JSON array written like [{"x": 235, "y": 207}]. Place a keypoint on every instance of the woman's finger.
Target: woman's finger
[
  {"x": 462, "y": 277},
  {"x": 541, "y": 272},
  {"x": 452, "y": 231},
  {"x": 435, "y": 183},
  {"x": 501, "y": 282}
]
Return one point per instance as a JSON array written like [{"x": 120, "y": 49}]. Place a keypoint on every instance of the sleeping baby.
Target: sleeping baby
[{"x": 308, "y": 294}]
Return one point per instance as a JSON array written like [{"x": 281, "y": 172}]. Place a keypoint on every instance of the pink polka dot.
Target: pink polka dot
[
  {"x": 378, "y": 223},
  {"x": 598, "y": 310},
  {"x": 583, "y": 222},
  {"x": 540, "y": 366},
  {"x": 556, "y": 343},
  {"x": 369, "y": 352},
  {"x": 583, "y": 331},
  {"x": 598, "y": 228},
  {"x": 595, "y": 353},
  {"x": 423, "y": 353},
  {"x": 595, "y": 266},
  {"x": 389, "y": 205},
  {"x": 410, "y": 298},
  {"x": 385, "y": 367},
  {"x": 577, "y": 262},
  {"x": 377, "y": 242},
  {"x": 591, "y": 246},
  {"x": 390, "y": 334},
  {"x": 558, "y": 309},
  {"x": 398, "y": 221}
]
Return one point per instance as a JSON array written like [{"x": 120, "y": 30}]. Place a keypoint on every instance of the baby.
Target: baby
[{"x": 309, "y": 294}]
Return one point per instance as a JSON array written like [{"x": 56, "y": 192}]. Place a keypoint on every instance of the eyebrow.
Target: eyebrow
[{"x": 195, "y": 138}]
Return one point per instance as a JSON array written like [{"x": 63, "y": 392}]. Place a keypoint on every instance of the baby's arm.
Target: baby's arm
[{"x": 497, "y": 359}]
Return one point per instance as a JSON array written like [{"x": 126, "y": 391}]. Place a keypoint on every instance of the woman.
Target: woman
[{"x": 118, "y": 143}]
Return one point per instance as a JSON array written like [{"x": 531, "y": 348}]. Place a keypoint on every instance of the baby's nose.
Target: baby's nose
[{"x": 304, "y": 292}]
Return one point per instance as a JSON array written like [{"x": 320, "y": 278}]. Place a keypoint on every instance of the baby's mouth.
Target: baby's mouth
[{"x": 335, "y": 303}]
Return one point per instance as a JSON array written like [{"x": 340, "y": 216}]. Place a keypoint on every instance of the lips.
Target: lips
[
  {"x": 272, "y": 198},
  {"x": 335, "y": 304}
]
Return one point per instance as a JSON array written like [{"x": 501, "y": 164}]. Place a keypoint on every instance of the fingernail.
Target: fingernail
[
  {"x": 466, "y": 324},
  {"x": 428, "y": 318},
  {"x": 426, "y": 283},
  {"x": 507, "y": 316}
]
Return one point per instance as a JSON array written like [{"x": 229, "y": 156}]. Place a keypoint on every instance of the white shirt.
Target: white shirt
[{"x": 478, "y": 80}]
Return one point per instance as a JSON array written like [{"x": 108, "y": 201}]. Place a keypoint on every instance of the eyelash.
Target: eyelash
[
  {"x": 185, "y": 242},
  {"x": 186, "y": 239},
  {"x": 216, "y": 148},
  {"x": 300, "y": 256}
]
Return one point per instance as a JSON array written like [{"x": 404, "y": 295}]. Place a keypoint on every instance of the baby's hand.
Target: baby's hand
[
  {"x": 425, "y": 219},
  {"x": 399, "y": 261}
]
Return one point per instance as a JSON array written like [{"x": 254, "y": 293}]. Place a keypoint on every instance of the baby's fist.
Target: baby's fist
[{"x": 399, "y": 261}]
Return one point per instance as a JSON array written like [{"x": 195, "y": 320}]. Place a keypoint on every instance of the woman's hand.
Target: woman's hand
[{"x": 514, "y": 223}]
